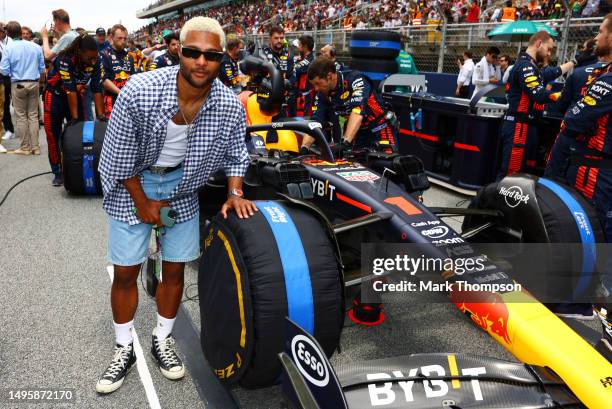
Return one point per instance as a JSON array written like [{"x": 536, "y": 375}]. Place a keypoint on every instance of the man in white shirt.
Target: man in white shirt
[
  {"x": 486, "y": 71},
  {"x": 331, "y": 11},
  {"x": 496, "y": 15},
  {"x": 465, "y": 75}
]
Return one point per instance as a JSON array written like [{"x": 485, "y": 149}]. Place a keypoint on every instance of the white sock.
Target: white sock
[
  {"x": 164, "y": 326},
  {"x": 123, "y": 333}
]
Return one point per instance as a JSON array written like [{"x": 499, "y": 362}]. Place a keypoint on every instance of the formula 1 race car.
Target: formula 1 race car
[{"x": 300, "y": 256}]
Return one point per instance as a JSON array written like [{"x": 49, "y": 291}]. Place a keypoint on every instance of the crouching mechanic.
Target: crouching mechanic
[
  {"x": 349, "y": 94},
  {"x": 170, "y": 130}
]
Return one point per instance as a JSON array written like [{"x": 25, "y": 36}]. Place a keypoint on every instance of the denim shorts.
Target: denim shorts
[{"x": 128, "y": 244}]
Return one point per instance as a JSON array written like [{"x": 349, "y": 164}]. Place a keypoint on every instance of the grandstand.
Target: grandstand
[{"x": 424, "y": 24}]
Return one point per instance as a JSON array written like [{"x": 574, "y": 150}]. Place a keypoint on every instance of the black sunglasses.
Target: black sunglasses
[{"x": 193, "y": 53}]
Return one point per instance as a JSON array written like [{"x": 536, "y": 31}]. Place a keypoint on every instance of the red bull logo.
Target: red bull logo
[
  {"x": 122, "y": 75},
  {"x": 487, "y": 310}
]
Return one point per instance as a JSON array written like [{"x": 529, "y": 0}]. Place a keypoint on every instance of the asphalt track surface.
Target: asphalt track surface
[{"x": 56, "y": 327}]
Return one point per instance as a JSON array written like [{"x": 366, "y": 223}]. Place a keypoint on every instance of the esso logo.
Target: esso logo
[
  {"x": 435, "y": 232},
  {"x": 309, "y": 360}
]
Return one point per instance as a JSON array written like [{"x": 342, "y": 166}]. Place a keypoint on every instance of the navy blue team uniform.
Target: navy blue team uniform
[
  {"x": 283, "y": 61},
  {"x": 575, "y": 86},
  {"x": 527, "y": 96},
  {"x": 66, "y": 75},
  {"x": 229, "y": 73},
  {"x": 165, "y": 60},
  {"x": 117, "y": 66},
  {"x": 354, "y": 94},
  {"x": 304, "y": 98},
  {"x": 583, "y": 150}
]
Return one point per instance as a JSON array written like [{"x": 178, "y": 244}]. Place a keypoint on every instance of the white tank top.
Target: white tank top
[{"x": 175, "y": 146}]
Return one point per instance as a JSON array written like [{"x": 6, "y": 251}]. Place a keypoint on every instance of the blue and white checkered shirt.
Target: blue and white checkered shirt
[{"x": 137, "y": 130}]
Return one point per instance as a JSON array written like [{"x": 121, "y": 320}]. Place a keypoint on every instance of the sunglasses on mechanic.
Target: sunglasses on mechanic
[{"x": 193, "y": 53}]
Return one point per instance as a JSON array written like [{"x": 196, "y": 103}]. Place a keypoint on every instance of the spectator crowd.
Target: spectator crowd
[{"x": 256, "y": 16}]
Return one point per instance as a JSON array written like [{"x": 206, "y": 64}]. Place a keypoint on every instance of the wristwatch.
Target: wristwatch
[{"x": 235, "y": 192}]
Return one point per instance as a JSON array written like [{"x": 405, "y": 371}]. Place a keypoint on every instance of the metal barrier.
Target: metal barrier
[{"x": 431, "y": 53}]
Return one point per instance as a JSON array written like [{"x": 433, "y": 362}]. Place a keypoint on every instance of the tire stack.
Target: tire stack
[{"x": 373, "y": 53}]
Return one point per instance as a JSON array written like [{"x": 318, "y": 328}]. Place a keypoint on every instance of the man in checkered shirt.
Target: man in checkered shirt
[{"x": 169, "y": 130}]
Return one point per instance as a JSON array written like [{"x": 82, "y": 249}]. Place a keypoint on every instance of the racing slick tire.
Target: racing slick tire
[
  {"x": 281, "y": 262},
  {"x": 541, "y": 211},
  {"x": 374, "y": 70},
  {"x": 375, "y": 44},
  {"x": 81, "y": 148}
]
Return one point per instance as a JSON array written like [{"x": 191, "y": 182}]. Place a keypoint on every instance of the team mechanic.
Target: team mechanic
[
  {"x": 171, "y": 56},
  {"x": 170, "y": 129},
  {"x": 349, "y": 94},
  {"x": 277, "y": 53},
  {"x": 303, "y": 98},
  {"x": 527, "y": 96},
  {"x": 117, "y": 67},
  {"x": 229, "y": 74},
  {"x": 582, "y": 152},
  {"x": 63, "y": 98}
]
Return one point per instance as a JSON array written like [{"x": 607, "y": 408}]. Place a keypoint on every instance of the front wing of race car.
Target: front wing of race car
[{"x": 441, "y": 380}]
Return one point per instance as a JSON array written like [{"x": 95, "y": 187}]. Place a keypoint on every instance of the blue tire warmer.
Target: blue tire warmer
[
  {"x": 255, "y": 272},
  {"x": 89, "y": 181},
  {"x": 81, "y": 145},
  {"x": 587, "y": 236}
]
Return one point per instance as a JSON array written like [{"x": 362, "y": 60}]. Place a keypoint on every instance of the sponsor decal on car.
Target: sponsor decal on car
[
  {"x": 381, "y": 391},
  {"x": 425, "y": 223},
  {"x": 490, "y": 314},
  {"x": 354, "y": 166},
  {"x": 359, "y": 176},
  {"x": 449, "y": 241},
  {"x": 323, "y": 189},
  {"x": 309, "y": 360},
  {"x": 513, "y": 195},
  {"x": 435, "y": 232},
  {"x": 319, "y": 162}
]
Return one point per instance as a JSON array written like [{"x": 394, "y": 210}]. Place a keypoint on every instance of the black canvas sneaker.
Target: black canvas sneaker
[
  {"x": 122, "y": 362},
  {"x": 167, "y": 359}
]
